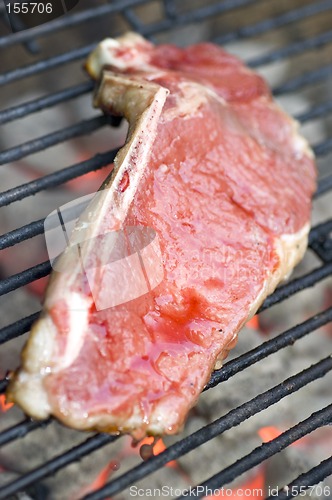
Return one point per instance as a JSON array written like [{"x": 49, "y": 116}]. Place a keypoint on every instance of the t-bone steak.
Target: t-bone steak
[{"x": 215, "y": 184}]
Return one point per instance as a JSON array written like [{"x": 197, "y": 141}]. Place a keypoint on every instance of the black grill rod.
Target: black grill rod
[
  {"x": 296, "y": 285},
  {"x": 324, "y": 185},
  {"x": 320, "y": 231},
  {"x": 315, "y": 112},
  {"x": 23, "y": 233},
  {"x": 308, "y": 78},
  {"x": 45, "y": 64},
  {"x": 22, "y": 429},
  {"x": 260, "y": 454},
  {"x": 55, "y": 179},
  {"x": 275, "y": 22},
  {"x": 3, "y": 385},
  {"x": 229, "y": 369},
  {"x": 33, "y": 106},
  {"x": 69, "y": 21},
  {"x": 306, "y": 480},
  {"x": 25, "y": 277},
  {"x": 285, "y": 339},
  {"x": 170, "y": 9},
  {"x": 210, "y": 431},
  {"x": 14, "y": 330},
  {"x": 323, "y": 148},
  {"x": 321, "y": 244},
  {"x": 89, "y": 446},
  {"x": 54, "y": 138},
  {"x": 292, "y": 49},
  {"x": 31, "y": 45}
]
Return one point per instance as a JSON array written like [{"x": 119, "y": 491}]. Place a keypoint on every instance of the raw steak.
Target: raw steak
[{"x": 220, "y": 177}]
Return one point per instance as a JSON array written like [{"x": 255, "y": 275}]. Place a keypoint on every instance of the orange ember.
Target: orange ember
[
  {"x": 268, "y": 433},
  {"x": 253, "y": 323},
  {"x": 4, "y": 406},
  {"x": 101, "y": 479},
  {"x": 150, "y": 446}
]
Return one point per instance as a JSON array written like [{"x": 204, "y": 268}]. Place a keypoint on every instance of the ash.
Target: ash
[{"x": 39, "y": 446}]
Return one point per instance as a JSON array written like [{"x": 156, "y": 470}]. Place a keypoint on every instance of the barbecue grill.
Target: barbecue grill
[{"x": 231, "y": 21}]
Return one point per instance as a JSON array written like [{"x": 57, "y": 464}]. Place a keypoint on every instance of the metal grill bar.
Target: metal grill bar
[
  {"x": 275, "y": 22},
  {"x": 53, "y": 180},
  {"x": 31, "y": 46},
  {"x": 25, "y": 277},
  {"x": 320, "y": 231},
  {"x": 296, "y": 285},
  {"x": 292, "y": 49},
  {"x": 309, "y": 78},
  {"x": 46, "y": 141},
  {"x": 323, "y": 148},
  {"x": 48, "y": 101},
  {"x": 170, "y": 8},
  {"x": 269, "y": 347},
  {"x": 21, "y": 234},
  {"x": 318, "y": 111},
  {"x": 79, "y": 451},
  {"x": 45, "y": 64},
  {"x": 224, "y": 423},
  {"x": 3, "y": 385},
  {"x": 22, "y": 429},
  {"x": 306, "y": 480},
  {"x": 324, "y": 185},
  {"x": 15, "y": 330},
  {"x": 258, "y": 455}
]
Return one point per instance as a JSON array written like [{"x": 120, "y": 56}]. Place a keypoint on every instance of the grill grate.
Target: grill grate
[{"x": 320, "y": 241}]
